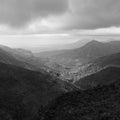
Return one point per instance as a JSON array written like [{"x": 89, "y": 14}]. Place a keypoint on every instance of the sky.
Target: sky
[{"x": 46, "y": 22}]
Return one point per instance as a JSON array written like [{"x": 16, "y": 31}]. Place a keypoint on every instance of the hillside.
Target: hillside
[
  {"x": 23, "y": 92},
  {"x": 22, "y": 58},
  {"x": 89, "y": 51},
  {"x": 99, "y": 103},
  {"x": 34, "y": 88},
  {"x": 96, "y": 65},
  {"x": 8, "y": 58},
  {"x": 103, "y": 77},
  {"x": 113, "y": 59}
]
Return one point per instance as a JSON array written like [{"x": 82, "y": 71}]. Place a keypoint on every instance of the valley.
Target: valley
[
  {"x": 37, "y": 85},
  {"x": 72, "y": 65},
  {"x": 59, "y": 59}
]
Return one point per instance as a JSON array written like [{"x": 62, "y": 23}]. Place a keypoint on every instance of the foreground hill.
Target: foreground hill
[
  {"x": 23, "y": 92},
  {"x": 99, "y": 103},
  {"x": 89, "y": 51}
]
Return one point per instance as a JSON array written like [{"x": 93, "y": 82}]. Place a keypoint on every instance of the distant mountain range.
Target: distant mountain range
[
  {"x": 89, "y": 51},
  {"x": 82, "y": 61},
  {"x": 56, "y": 47},
  {"x": 77, "y": 63}
]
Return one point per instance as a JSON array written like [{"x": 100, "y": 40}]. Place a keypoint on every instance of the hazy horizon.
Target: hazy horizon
[
  {"x": 38, "y": 23},
  {"x": 36, "y": 41}
]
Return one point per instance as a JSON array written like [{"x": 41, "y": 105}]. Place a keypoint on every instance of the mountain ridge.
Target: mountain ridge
[{"x": 84, "y": 54}]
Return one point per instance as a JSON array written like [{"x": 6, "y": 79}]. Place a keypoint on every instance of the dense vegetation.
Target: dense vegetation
[
  {"x": 100, "y": 103},
  {"x": 23, "y": 92}
]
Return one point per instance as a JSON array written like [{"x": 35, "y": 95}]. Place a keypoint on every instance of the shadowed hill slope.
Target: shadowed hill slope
[
  {"x": 99, "y": 103},
  {"x": 27, "y": 90}
]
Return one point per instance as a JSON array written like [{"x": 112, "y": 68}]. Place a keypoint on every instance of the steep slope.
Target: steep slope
[
  {"x": 7, "y": 58},
  {"x": 17, "y": 52},
  {"x": 100, "y": 103},
  {"x": 23, "y": 92},
  {"x": 22, "y": 58},
  {"x": 96, "y": 65},
  {"x": 103, "y": 77},
  {"x": 113, "y": 59}
]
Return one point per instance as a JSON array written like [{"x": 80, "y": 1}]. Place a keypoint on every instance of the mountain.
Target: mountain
[
  {"x": 7, "y": 58},
  {"x": 113, "y": 59},
  {"x": 96, "y": 65},
  {"x": 89, "y": 51},
  {"x": 22, "y": 58},
  {"x": 23, "y": 92},
  {"x": 18, "y": 53},
  {"x": 56, "y": 47},
  {"x": 77, "y": 63},
  {"x": 103, "y": 77},
  {"x": 25, "y": 59},
  {"x": 98, "y": 103}
]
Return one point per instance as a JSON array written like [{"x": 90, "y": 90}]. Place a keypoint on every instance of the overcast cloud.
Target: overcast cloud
[
  {"x": 92, "y": 14},
  {"x": 18, "y": 13},
  {"x": 59, "y": 16}
]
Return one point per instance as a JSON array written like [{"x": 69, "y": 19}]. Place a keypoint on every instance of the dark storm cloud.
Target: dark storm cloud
[
  {"x": 92, "y": 14},
  {"x": 19, "y": 12}
]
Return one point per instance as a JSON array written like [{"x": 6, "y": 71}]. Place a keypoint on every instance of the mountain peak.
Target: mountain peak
[{"x": 94, "y": 42}]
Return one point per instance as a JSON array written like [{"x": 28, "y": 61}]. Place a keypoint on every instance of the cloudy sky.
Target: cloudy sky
[{"x": 56, "y": 21}]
